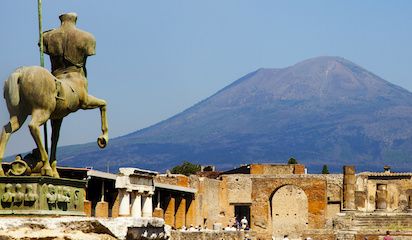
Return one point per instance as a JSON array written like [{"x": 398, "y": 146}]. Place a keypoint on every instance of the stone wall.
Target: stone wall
[
  {"x": 173, "y": 179},
  {"x": 208, "y": 199},
  {"x": 239, "y": 188},
  {"x": 272, "y": 169},
  {"x": 264, "y": 187}
]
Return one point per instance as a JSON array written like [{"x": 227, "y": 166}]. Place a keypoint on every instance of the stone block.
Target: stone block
[
  {"x": 102, "y": 210},
  {"x": 158, "y": 212},
  {"x": 88, "y": 208},
  {"x": 299, "y": 169}
]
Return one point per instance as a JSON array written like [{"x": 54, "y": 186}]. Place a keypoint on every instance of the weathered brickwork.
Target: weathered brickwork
[
  {"x": 272, "y": 169},
  {"x": 263, "y": 189}
]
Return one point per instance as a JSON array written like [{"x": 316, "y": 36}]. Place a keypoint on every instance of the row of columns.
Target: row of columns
[
  {"x": 135, "y": 203},
  {"x": 179, "y": 211}
]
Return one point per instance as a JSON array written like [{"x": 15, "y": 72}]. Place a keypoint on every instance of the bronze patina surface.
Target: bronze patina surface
[
  {"x": 43, "y": 95},
  {"x": 41, "y": 195}
]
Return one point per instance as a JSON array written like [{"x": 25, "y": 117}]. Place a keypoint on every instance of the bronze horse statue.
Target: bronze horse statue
[{"x": 37, "y": 92}]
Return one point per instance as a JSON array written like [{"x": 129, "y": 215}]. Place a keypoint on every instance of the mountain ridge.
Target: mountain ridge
[{"x": 319, "y": 109}]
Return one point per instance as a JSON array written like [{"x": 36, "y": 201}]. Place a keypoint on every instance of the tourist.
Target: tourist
[
  {"x": 228, "y": 228},
  {"x": 244, "y": 223},
  {"x": 192, "y": 229},
  {"x": 237, "y": 223},
  {"x": 388, "y": 236},
  {"x": 285, "y": 237}
]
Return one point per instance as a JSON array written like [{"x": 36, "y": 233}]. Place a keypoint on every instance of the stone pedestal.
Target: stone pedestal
[
  {"x": 158, "y": 212},
  {"x": 124, "y": 208},
  {"x": 102, "y": 210},
  {"x": 35, "y": 195}
]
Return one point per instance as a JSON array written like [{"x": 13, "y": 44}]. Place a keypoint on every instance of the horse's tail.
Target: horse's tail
[{"x": 11, "y": 88}]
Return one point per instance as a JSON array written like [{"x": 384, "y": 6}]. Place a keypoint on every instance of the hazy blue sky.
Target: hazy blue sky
[{"x": 157, "y": 58}]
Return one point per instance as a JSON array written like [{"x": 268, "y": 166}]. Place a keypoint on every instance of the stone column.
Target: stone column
[
  {"x": 136, "y": 204},
  {"x": 190, "y": 214},
  {"x": 349, "y": 181},
  {"x": 181, "y": 213},
  {"x": 170, "y": 211},
  {"x": 147, "y": 205},
  {"x": 124, "y": 209}
]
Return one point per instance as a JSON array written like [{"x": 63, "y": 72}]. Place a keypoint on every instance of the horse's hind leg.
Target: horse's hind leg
[
  {"x": 92, "y": 103},
  {"x": 13, "y": 125},
  {"x": 56, "y": 124},
  {"x": 39, "y": 117}
]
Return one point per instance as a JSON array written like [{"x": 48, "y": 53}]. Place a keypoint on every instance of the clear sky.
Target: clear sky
[{"x": 157, "y": 58}]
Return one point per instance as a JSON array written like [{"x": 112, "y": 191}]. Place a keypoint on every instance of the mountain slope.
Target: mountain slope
[{"x": 325, "y": 110}]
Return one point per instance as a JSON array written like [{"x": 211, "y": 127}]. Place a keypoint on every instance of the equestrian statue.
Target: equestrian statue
[{"x": 43, "y": 95}]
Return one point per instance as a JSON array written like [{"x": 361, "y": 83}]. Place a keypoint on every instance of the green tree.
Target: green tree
[
  {"x": 325, "y": 169},
  {"x": 186, "y": 168},
  {"x": 292, "y": 161}
]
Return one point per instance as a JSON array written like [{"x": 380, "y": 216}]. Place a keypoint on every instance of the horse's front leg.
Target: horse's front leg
[
  {"x": 92, "y": 103},
  {"x": 56, "y": 124}
]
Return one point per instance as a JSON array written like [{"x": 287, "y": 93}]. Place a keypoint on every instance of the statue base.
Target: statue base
[{"x": 40, "y": 195}]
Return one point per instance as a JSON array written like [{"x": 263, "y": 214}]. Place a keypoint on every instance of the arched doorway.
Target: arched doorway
[{"x": 289, "y": 205}]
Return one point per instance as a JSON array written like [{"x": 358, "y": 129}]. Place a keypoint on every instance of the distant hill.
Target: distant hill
[{"x": 325, "y": 110}]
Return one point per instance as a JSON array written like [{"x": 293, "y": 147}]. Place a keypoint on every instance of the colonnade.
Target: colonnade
[
  {"x": 136, "y": 189},
  {"x": 135, "y": 203}
]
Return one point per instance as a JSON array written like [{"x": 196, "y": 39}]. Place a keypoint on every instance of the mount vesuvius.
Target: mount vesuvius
[{"x": 324, "y": 110}]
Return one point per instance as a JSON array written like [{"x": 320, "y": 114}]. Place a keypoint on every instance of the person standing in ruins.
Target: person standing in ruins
[
  {"x": 244, "y": 223},
  {"x": 388, "y": 236}
]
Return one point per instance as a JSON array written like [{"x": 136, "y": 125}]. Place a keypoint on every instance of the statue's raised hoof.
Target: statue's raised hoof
[{"x": 102, "y": 141}]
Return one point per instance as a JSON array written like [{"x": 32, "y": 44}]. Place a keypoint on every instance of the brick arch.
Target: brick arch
[
  {"x": 263, "y": 189},
  {"x": 289, "y": 210}
]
